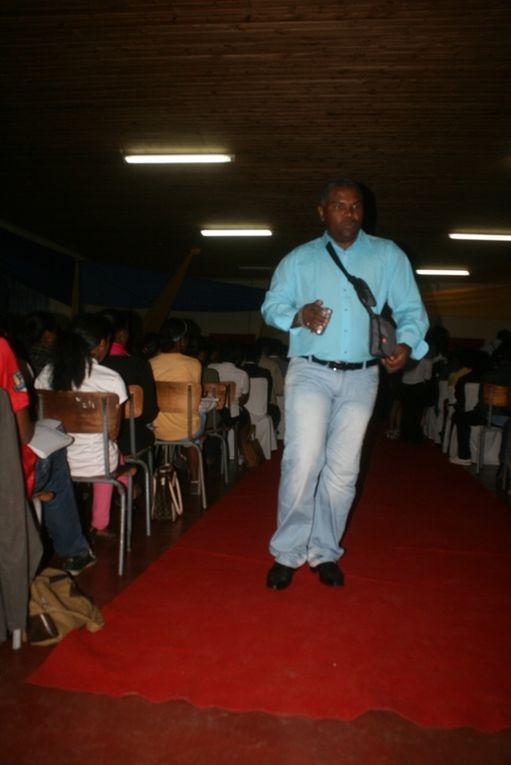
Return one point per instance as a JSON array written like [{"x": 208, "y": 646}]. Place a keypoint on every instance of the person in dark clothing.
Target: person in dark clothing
[
  {"x": 39, "y": 339},
  {"x": 134, "y": 371}
]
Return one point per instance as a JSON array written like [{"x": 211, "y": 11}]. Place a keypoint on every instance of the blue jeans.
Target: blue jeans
[
  {"x": 326, "y": 415},
  {"x": 60, "y": 514}
]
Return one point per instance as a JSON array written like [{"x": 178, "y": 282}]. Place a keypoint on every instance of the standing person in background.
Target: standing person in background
[
  {"x": 413, "y": 399},
  {"x": 332, "y": 381}
]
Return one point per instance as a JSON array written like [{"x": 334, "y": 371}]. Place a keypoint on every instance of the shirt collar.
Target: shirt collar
[
  {"x": 359, "y": 241},
  {"x": 116, "y": 349}
]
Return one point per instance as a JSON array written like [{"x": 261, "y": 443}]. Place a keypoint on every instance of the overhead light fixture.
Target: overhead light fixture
[
  {"x": 442, "y": 272},
  {"x": 177, "y": 159},
  {"x": 236, "y": 232},
  {"x": 483, "y": 237}
]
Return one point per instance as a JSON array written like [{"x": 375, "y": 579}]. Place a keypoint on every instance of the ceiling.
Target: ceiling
[{"x": 411, "y": 98}]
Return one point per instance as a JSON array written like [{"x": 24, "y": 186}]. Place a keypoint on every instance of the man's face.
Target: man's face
[{"x": 343, "y": 214}]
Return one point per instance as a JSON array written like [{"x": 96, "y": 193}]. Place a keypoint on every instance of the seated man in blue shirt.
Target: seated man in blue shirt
[{"x": 332, "y": 380}]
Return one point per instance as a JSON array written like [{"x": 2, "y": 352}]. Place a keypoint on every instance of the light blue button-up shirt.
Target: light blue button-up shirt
[{"x": 308, "y": 273}]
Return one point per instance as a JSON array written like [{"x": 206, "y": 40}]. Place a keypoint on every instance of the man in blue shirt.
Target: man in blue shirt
[{"x": 332, "y": 380}]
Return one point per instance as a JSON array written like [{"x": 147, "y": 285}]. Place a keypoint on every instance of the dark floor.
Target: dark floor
[{"x": 42, "y": 726}]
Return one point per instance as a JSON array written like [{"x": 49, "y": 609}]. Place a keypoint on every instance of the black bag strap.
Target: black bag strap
[{"x": 361, "y": 287}]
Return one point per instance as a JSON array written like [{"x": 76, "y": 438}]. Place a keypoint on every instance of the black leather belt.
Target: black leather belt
[{"x": 342, "y": 366}]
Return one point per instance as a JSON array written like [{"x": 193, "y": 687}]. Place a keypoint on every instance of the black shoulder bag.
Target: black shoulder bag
[{"x": 382, "y": 333}]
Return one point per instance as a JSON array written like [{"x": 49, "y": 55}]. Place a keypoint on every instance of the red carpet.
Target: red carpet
[{"x": 421, "y": 628}]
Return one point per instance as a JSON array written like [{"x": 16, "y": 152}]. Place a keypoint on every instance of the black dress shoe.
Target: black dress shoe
[
  {"x": 279, "y": 576},
  {"x": 330, "y": 574}
]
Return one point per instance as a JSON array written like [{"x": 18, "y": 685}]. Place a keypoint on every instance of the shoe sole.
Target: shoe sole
[{"x": 77, "y": 572}]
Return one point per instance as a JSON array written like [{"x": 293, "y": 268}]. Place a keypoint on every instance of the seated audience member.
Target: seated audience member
[
  {"x": 203, "y": 354},
  {"x": 171, "y": 364},
  {"x": 229, "y": 371},
  {"x": 254, "y": 370},
  {"x": 77, "y": 366},
  {"x": 39, "y": 338},
  {"x": 481, "y": 371},
  {"x": 134, "y": 371},
  {"x": 148, "y": 345},
  {"x": 267, "y": 361},
  {"x": 279, "y": 351},
  {"x": 60, "y": 514}
]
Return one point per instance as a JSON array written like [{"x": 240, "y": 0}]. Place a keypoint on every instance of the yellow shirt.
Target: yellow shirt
[{"x": 175, "y": 367}]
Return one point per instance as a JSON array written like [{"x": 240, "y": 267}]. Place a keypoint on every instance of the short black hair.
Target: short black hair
[{"x": 339, "y": 183}]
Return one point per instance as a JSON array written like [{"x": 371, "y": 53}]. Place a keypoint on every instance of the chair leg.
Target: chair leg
[
  {"x": 148, "y": 496},
  {"x": 122, "y": 526},
  {"x": 129, "y": 512},
  {"x": 202, "y": 482},
  {"x": 480, "y": 456},
  {"x": 224, "y": 450},
  {"x": 150, "y": 464},
  {"x": 225, "y": 460},
  {"x": 148, "y": 500}
]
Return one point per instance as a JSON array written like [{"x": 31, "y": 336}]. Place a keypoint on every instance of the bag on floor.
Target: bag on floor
[
  {"x": 57, "y": 606},
  {"x": 252, "y": 452},
  {"x": 167, "y": 502}
]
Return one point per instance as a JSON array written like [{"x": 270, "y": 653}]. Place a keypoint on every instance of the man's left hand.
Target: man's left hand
[{"x": 398, "y": 359}]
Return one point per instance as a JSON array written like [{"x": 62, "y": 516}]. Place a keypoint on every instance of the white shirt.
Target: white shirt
[
  {"x": 230, "y": 372},
  {"x": 85, "y": 454}
]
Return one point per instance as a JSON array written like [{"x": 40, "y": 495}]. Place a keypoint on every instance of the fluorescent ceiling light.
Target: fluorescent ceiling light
[
  {"x": 236, "y": 232},
  {"x": 442, "y": 272},
  {"x": 177, "y": 159},
  {"x": 483, "y": 237}
]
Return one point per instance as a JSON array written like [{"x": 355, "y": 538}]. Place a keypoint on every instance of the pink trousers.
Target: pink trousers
[{"x": 101, "y": 501}]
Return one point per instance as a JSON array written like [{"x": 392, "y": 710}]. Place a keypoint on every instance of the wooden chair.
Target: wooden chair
[
  {"x": 182, "y": 398},
  {"x": 214, "y": 427},
  {"x": 133, "y": 409},
  {"x": 493, "y": 396},
  {"x": 231, "y": 431},
  {"x": 81, "y": 412}
]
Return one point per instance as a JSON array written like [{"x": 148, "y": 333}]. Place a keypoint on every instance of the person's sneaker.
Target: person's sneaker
[
  {"x": 75, "y": 564},
  {"x": 459, "y": 461}
]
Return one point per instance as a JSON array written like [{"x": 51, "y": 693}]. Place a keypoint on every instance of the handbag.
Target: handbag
[
  {"x": 382, "y": 333},
  {"x": 167, "y": 501},
  {"x": 56, "y": 607}
]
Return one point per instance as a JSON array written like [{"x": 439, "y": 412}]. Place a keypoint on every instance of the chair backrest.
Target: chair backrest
[
  {"x": 216, "y": 390},
  {"x": 134, "y": 406},
  {"x": 82, "y": 412},
  {"x": 496, "y": 395},
  {"x": 230, "y": 393},
  {"x": 179, "y": 398}
]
